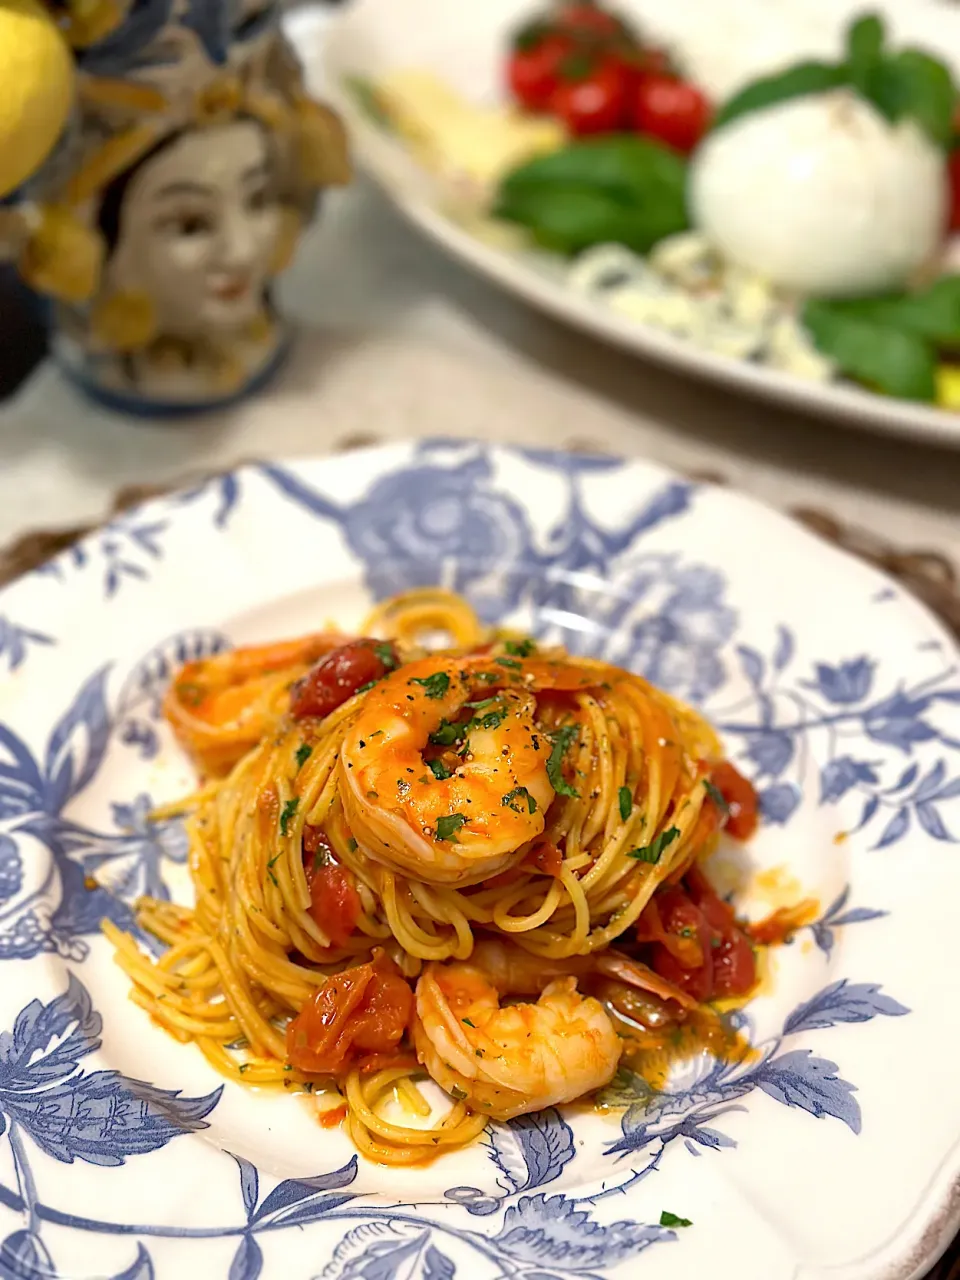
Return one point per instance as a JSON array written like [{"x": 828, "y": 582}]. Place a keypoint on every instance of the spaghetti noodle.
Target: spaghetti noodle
[{"x": 391, "y": 839}]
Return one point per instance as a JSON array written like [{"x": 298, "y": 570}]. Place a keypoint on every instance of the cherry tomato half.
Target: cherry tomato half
[
  {"x": 338, "y": 676},
  {"x": 591, "y": 96},
  {"x": 533, "y": 70},
  {"x": 740, "y": 798},
  {"x": 953, "y": 175},
  {"x": 334, "y": 901},
  {"x": 670, "y": 110},
  {"x": 590, "y": 20}
]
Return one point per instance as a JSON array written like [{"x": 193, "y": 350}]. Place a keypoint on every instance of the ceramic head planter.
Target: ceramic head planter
[{"x": 172, "y": 201}]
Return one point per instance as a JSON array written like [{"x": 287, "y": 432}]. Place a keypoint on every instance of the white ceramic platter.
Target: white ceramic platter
[
  {"x": 721, "y": 45},
  {"x": 834, "y": 1150}
]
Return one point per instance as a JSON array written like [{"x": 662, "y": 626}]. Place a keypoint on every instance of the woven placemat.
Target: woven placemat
[{"x": 926, "y": 573}]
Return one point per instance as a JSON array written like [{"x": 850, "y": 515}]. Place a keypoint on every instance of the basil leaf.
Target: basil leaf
[
  {"x": 651, "y": 852},
  {"x": 913, "y": 85},
  {"x": 796, "y": 82},
  {"x": 668, "y": 1219},
  {"x": 619, "y": 189},
  {"x": 626, "y": 802},
  {"x": 449, "y": 825},
  {"x": 864, "y": 51},
  {"x": 561, "y": 740},
  {"x": 933, "y": 313},
  {"x": 887, "y": 359}
]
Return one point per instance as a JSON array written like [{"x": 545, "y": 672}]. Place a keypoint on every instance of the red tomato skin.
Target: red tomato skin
[
  {"x": 334, "y": 901},
  {"x": 338, "y": 675},
  {"x": 589, "y": 19},
  {"x": 953, "y": 174},
  {"x": 734, "y": 966},
  {"x": 741, "y": 800},
  {"x": 670, "y": 110},
  {"x": 678, "y": 915},
  {"x": 533, "y": 72},
  {"x": 595, "y": 102}
]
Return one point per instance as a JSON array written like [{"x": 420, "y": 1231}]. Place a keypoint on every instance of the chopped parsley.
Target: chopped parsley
[
  {"x": 467, "y": 1023},
  {"x": 484, "y": 702},
  {"x": 434, "y": 686},
  {"x": 651, "y": 852},
  {"x": 352, "y": 845},
  {"x": 386, "y": 655},
  {"x": 364, "y": 687},
  {"x": 512, "y": 798},
  {"x": 449, "y": 825},
  {"x": 244, "y": 1066},
  {"x": 716, "y": 795},
  {"x": 439, "y": 770},
  {"x": 320, "y": 858},
  {"x": 286, "y": 813},
  {"x": 520, "y": 648},
  {"x": 303, "y": 755},
  {"x": 626, "y": 803},
  {"x": 458, "y": 1093},
  {"x": 487, "y": 677},
  {"x": 562, "y": 740},
  {"x": 447, "y": 733},
  {"x": 509, "y": 662},
  {"x": 492, "y": 720},
  {"x": 671, "y": 1220}
]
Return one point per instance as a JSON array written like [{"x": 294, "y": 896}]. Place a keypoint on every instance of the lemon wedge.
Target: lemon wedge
[{"x": 36, "y": 89}]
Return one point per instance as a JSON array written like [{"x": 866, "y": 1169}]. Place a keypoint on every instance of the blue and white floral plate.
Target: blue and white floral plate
[{"x": 833, "y": 1151}]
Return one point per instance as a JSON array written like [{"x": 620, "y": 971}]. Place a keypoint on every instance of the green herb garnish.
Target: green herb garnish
[
  {"x": 191, "y": 694},
  {"x": 509, "y": 662},
  {"x": 512, "y": 798},
  {"x": 434, "y": 686},
  {"x": 716, "y": 795},
  {"x": 651, "y": 852},
  {"x": 562, "y": 740},
  {"x": 303, "y": 755},
  {"x": 467, "y": 1023},
  {"x": 885, "y": 356},
  {"x": 352, "y": 845},
  {"x": 447, "y": 733},
  {"x": 520, "y": 648},
  {"x": 449, "y": 825},
  {"x": 492, "y": 720},
  {"x": 386, "y": 655},
  {"x": 626, "y": 803},
  {"x": 439, "y": 770},
  {"x": 286, "y": 813},
  {"x": 458, "y": 1093},
  {"x": 671, "y": 1220},
  {"x": 364, "y": 687}
]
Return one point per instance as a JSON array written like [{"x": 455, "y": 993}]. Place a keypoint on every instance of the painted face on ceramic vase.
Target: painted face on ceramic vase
[{"x": 198, "y": 227}]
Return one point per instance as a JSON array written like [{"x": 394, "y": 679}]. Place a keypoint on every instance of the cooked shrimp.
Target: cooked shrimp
[
  {"x": 507, "y": 1061},
  {"x": 514, "y": 971},
  {"x": 435, "y": 823},
  {"x": 222, "y": 706}
]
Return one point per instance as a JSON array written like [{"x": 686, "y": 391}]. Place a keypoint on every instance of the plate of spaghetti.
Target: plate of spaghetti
[{"x": 437, "y": 849}]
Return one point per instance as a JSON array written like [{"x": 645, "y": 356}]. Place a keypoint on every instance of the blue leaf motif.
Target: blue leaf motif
[
  {"x": 400, "y": 1255},
  {"x": 845, "y": 684},
  {"x": 932, "y": 823},
  {"x": 842, "y": 1001},
  {"x": 140, "y": 1269},
  {"x": 705, "y": 1136},
  {"x": 752, "y": 664},
  {"x": 49, "y": 1040},
  {"x": 77, "y": 744},
  {"x": 552, "y": 1230},
  {"x": 785, "y": 649},
  {"x": 247, "y": 1261},
  {"x": 24, "y": 1256},
  {"x": 896, "y": 721},
  {"x": 105, "y": 1117},
  {"x": 437, "y": 1266},
  {"x": 302, "y": 1200},
  {"x": 895, "y": 830},
  {"x": 778, "y": 802},
  {"x": 929, "y": 784},
  {"x": 249, "y": 1185},
  {"x": 770, "y": 751},
  {"x": 950, "y": 792},
  {"x": 906, "y": 779},
  {"x": 798, "y": 1079},
  {"x": 14, "y": 641},
  {"x": 842, "y": 773},
  {"x": 545, "y": 1143},
  {"x": 859, "y": 915},
  {"x": 21, "y": 785},
  {"x": 869, "y": 809}
]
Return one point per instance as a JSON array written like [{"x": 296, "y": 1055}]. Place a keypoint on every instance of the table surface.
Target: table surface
[{"x": 399, "y": 341}]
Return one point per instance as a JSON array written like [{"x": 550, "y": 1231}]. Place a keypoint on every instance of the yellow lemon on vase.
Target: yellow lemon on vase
[{"x": 36, "y": 89}]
